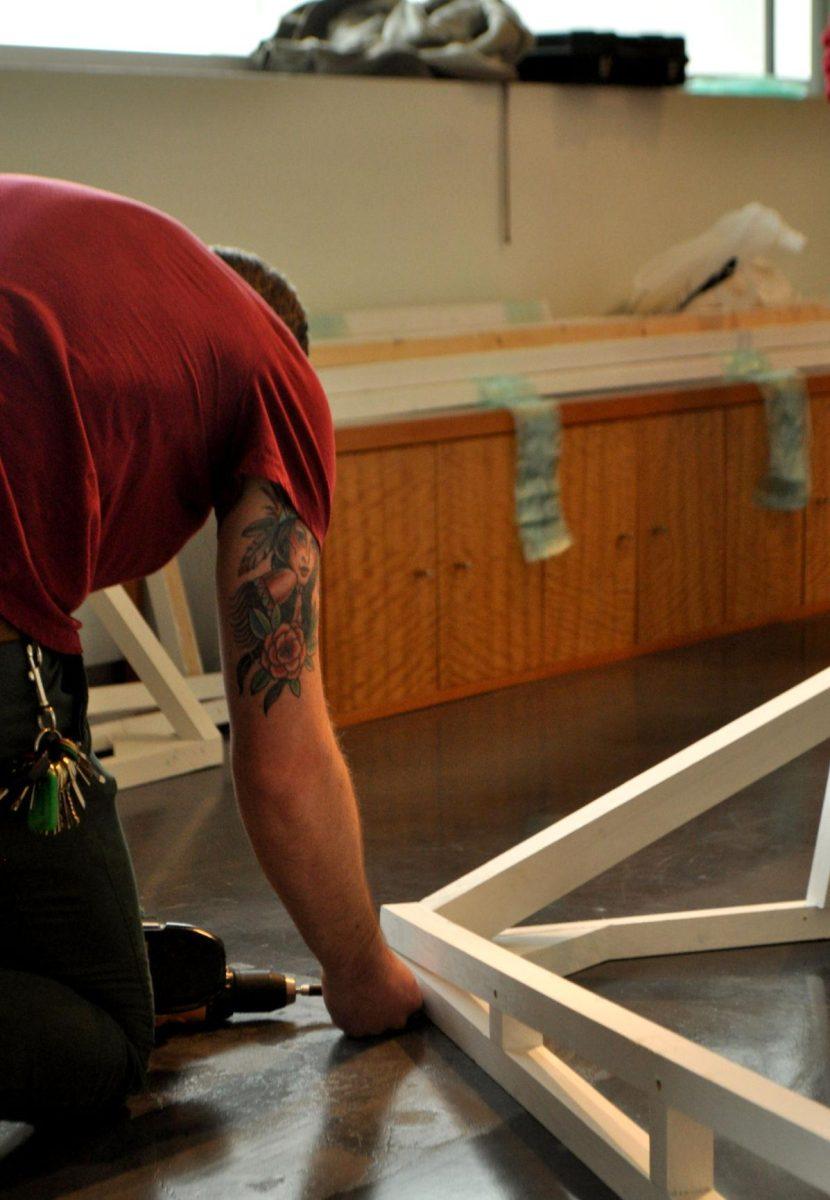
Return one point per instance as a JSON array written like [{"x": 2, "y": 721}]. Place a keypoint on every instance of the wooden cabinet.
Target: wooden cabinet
[
  {"x": 590, "y": 589},
  {"x": 490, "y": 598},
  {"x": 765, "y": 561},
  {"x": 426, "y": 594},
  {"x": 380, "y": 612},
  {"x": 817, "y": 530},
  {"x": 680, "y": 526}
]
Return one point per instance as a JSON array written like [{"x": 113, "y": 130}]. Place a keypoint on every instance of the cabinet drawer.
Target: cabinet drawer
[
  {"x": 680, "y": 525},
  {"x": 590, "y": 589},
  {"x": 490, "y": 598},
  {"x": 765, "y": 560}
]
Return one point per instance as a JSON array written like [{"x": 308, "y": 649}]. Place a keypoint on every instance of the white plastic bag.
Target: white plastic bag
[
  {"x": 669, "y": 281},
  {"x": 755, "y": 284}
]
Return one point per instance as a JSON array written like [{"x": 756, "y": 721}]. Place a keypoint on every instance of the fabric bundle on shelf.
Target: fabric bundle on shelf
[{"x": 462, "y": 39}]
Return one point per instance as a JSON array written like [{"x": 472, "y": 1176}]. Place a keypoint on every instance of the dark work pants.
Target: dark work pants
[{"x": 76, "y": 1015}]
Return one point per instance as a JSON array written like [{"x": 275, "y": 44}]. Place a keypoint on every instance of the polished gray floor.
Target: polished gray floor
[{"x": 285, "y": 1107}]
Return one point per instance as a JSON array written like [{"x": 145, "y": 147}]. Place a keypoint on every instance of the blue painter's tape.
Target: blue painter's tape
[
  {"x": 786, "y": 485},
  {"x": 327, "y": 325},
  {"x": 524, "y": 312},
  {"x": 541, "y": 523}
]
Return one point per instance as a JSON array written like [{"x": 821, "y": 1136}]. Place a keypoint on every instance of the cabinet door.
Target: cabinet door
[
  {"x": 589, "y": 591},
  {"x": 817, "y": 533},
  {"x": 491, "y": 599},
  {"x": 380, "y": 603},
  {"x": 680, "y": 525},
  {"x": 765, "y": 559}
]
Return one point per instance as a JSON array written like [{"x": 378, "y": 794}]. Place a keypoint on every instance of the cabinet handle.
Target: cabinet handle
[
  {"x": 623, "y": 539},
  {"x": 462, "y": 565},
  {"x": 821, "y": 500},
  {"x": 658, "y": 530},
  {"x": 423, "y": 573}
]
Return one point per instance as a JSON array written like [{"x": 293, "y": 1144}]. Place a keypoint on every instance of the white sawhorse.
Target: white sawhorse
[
  {"x": 502, "y": 995},
  {"x": 178, "y": 733}
]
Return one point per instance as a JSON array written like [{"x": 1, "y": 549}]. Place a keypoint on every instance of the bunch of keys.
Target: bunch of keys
[{"x": 48, "y": 777}]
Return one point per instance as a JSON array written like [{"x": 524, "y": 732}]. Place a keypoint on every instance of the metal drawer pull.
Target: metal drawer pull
[{"x": 423, "y": 573}]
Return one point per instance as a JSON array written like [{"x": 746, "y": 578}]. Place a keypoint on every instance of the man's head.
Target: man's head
[{"x": 275, "y": 290}]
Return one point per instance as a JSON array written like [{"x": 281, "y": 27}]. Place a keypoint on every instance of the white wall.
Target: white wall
[{"x": 370, "y": 192}]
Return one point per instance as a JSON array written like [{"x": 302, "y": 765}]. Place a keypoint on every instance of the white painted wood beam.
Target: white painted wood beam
[
  {"x": 739, "y": 1104},
  {"x": 590, "y": 943},
  {"x": 174, "y": 623},
  {"x": 614, "y": 1146},
  {"x": 372, "y": 390},
  {"x": 152, "y": 663},
  {"x": 137, "y": 763},
  {"x": 110, "y": 699},
  {"x": 612, "y": 828},
  {"x": 818, "y": 886},
  {"x": 682, "y": 1158}
]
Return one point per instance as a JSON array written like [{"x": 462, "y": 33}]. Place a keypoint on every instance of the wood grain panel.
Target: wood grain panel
[
  {"x": 491, "y": 599},
  {"x": 589, "y": 591},
  {"x": 817, "y": 527},
  {"x": 380, "y": 597},
  {"x": 680, "y": 525},
  {"x": 764, "y": 567}
]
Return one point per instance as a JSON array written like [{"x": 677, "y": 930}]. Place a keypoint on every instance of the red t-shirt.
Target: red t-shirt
[{"x": 138, "y": 375}]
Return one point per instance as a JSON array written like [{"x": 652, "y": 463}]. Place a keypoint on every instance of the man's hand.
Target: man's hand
[{"x": 376, "y": 996}]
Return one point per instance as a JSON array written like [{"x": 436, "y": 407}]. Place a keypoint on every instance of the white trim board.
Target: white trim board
[
  {"x": 120, "y": 699},
  {"x": 430, "y": 320},
  {"x": 373, "y": 390},
  {"x": 502, "y": 995},
  {"x": 182, "y": 736}
]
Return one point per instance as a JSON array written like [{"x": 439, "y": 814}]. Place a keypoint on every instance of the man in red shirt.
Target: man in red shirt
[{"x": 142, "y": 384}]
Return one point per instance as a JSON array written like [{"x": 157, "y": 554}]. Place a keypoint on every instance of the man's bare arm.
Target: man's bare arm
[{"x": 292, "y": 783}]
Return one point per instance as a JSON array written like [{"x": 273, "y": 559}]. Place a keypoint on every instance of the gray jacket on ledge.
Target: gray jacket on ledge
[{"x": 462, "y": 39}]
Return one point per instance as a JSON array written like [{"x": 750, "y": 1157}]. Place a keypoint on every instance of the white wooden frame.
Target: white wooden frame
[
  {"x": 373, "y": 390},
  {"x": 174, "y": 621},
  {"x": 180, "y": 736},
  {"x": 177, "y": 634},
  {"x": 500, "y": 992}
]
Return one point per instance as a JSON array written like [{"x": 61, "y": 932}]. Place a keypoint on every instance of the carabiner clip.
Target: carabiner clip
[{"x": 46, "y": 717}]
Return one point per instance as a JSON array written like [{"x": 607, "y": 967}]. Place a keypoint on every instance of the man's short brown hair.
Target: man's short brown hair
[{"x": 274, "y": 288}]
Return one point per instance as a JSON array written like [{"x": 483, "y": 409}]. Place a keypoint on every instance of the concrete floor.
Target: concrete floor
[{"x": 286, "y": 1107}]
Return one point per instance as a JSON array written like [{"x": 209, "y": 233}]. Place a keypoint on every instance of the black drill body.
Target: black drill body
[{"x": 191, "y": 975}]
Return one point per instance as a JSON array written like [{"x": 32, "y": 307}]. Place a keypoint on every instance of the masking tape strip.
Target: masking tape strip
[
  {"x": 327, "y": 325},
  {"x": 524, "y": 312},
  {"x": 541, "y": 523},
  {"x": 786, "y": 485}
]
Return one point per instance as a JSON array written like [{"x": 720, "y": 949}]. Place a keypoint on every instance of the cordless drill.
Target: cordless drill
[{"x": 192, "y": 981}]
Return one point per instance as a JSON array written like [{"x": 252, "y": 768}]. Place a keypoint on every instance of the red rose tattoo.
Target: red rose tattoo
[
  {"x": 274, "y": 612},
  {"x": 283, "y": 652}
]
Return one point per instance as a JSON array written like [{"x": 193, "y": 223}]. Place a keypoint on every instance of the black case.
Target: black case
[{"x": 581, "y": 57}]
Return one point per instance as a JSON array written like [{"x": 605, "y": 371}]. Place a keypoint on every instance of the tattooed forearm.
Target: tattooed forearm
[{"x": 274, "y": 612}]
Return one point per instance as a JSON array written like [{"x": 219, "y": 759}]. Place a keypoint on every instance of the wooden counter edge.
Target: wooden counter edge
[{"x": 461, "y": 423}]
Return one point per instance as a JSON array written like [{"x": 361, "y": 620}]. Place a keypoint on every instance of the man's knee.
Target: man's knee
[{"x": 61, "y": 1055}]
